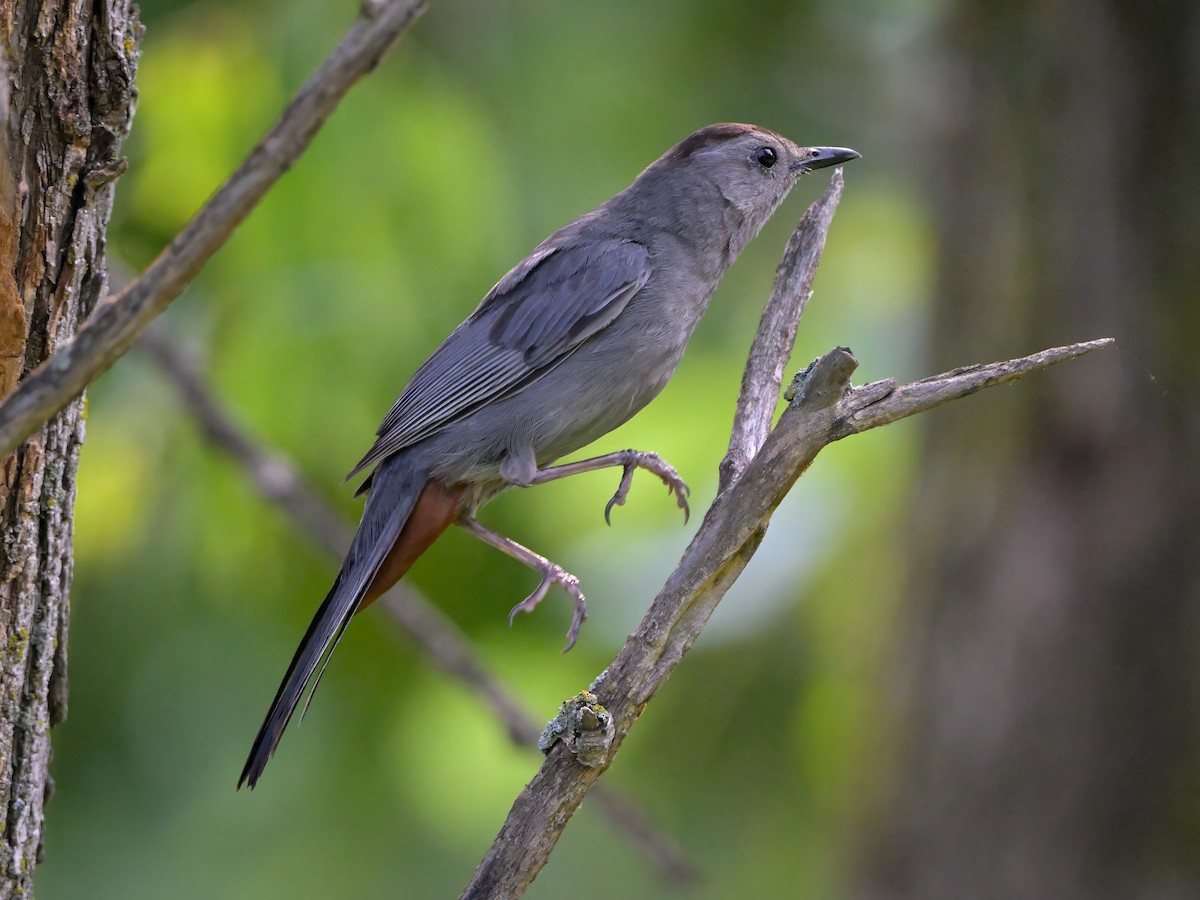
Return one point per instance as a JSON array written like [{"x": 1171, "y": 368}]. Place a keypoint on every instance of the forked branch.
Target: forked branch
[{"x": 756, "y": 475}]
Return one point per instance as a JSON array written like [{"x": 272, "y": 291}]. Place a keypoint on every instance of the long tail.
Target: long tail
[{"x": 404, "y": 513}]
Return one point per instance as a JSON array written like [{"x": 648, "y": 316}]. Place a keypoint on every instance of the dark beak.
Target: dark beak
[{"x": 820, "y": 157}]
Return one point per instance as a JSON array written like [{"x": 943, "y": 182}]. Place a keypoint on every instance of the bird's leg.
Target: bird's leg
[
  {"x": 551, "y": 573},
  {"x": 630, "y": 461}
]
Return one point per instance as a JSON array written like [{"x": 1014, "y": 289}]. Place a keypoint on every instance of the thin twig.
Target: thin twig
[
  {"x": 279, "y": 481},
  {"x": 824, "y": 409},
  {"x": 275, "y": 476},
  {"x": 776, "y": 333},
  {"x": 118, "y": 320},
  {"x": 927, "y": 393}
]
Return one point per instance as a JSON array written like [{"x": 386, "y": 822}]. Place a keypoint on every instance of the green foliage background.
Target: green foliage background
[{"x": 489, "y": 126}]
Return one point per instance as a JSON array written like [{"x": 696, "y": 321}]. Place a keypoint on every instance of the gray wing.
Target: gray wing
[{"x": 536, "y": 315}]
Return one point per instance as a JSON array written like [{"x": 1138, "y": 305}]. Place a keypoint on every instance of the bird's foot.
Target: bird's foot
[
  {"x": 631, "y": 461},
  {"x": 553, "y": 574}
]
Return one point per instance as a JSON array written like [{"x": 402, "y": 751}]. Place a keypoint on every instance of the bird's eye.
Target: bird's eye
[{"x": 765, "y": 157}]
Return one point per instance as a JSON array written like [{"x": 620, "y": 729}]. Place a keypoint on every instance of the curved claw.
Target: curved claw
[
  {"x": 529, "y": 604},
  {"x": 608, "y": 509},
  {"x": 576, "y": 619},
  {"x": 681, "y": 494},
  {"x": 556, "y": 574},
  {"x": 618, "y": 499},
  {"x": 654, "y": 463}
]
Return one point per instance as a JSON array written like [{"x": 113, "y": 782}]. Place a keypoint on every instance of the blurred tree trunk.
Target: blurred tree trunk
[
  {"x": 1052, "y": 632},
  {"x": 67, "y": 100}
]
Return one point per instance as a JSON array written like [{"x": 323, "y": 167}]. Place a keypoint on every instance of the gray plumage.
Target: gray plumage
[
  {"x": 568, "y": 345},
  {"x": 559, "y": 296}
]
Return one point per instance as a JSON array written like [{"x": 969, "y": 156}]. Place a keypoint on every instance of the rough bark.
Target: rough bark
[
  {"x": 1053, "y": 712},
  {"x": 68, "y": 101}
]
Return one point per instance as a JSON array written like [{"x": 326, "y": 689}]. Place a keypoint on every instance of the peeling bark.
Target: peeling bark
[{"x": 68, "y": 98}]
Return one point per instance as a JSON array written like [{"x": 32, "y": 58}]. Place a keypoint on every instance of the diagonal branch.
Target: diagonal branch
[
  {"x": 117, "y": 321},
  {"x": 280, "y": 482},
  {"x": 824, "y": 408}
]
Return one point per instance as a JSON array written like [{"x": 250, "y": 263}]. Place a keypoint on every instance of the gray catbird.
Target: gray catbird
[{"x": 579, "y": 336}]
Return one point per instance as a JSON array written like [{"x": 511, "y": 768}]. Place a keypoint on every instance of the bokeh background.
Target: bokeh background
[{"x": 962, "y": 664}]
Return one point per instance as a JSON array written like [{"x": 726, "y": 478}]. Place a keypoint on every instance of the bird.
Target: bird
[{"x": 573, "y": 341}]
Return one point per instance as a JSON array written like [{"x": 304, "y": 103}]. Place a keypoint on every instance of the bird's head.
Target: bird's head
[{"x": 752, "y": 168}]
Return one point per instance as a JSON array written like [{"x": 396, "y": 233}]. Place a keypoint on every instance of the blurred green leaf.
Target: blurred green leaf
[{"x": 490, "y": 125}]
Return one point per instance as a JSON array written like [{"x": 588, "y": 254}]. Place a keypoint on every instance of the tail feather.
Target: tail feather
[{"x": 394, "y": 494}]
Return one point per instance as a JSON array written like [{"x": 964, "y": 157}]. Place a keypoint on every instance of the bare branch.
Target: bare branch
[
  {"x": 279, "y": 481},
  {"x": 117, "y": 321},
  {"x": 824, "y": 408},
  {"x": 900, "y": 402},
  {"x": 273, "y": 475},
  {"x": 776, "y": 333}
]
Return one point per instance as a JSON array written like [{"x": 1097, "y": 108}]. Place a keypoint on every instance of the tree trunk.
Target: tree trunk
[
  {"x": 1053, "y": 621},
  {"x": 68, "y": 98}
]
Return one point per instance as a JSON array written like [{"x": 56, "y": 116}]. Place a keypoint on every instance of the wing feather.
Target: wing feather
[{"x": 535, "y": 316}]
